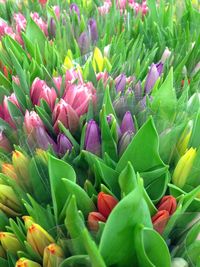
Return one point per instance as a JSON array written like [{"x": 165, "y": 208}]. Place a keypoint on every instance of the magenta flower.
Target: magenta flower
[
  {"x": 6, "y": 114},
  {"x": 38, "y": 20},
  {"x": 73, "y": 75},
  {"x": 32, "y": 121},
  {"x": 20, "y": 25},
  {"x": 64, "y": 113},
  {"x": 58, "y": 82}
]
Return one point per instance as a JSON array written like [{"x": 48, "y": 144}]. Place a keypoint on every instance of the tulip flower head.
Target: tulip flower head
[
  {"x": 127, "y": 123},
  {"x": 168, "y": 203},
  {"x": 53, "y": 255},
  {"x": 153, "y": 75},
  {"x": 23, "y": 262},
  {"x": 92, "y": 138},
  {"x": 10, "y": 242},
  {"x": 160, "y": 220},
  {"x": 93, "y": 220},
  {"x": 106, "y": 204}
]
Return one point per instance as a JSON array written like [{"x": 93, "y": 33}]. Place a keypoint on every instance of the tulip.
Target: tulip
[
  {"x": 12, "y": 98},
  {"x": 21, "y": 165},
  {"x": 92, "y": 25},
  {"x": 92, "y": 138},
  {"x": 56, "y": 10},
  {"x": 183, "y": 168},
  {"x": 168, "y": 203},
  {"x": 127, "y": 123},
  {"x": 28, "y": 221},
  {"x": 41, "y": 24},
  {"x": 43, "y": 140},
  {"x": 179, "y": 262},
  {"x": 93, "y": 220},
  {"x": 74, "y": 7},
  {"x": 32, "y": 121},
  {"x": 58, "y": 82},
  {"x": 153, "y": 75},
  {"x": 23, "y": 262},
  {"x": 120, "y": 82},
  {"x": 49, "y": 95},
  {"x": 10, "y": 243},
  {"x": 105, "y": 204},
  {"x": 42, "y": 155},
  {"x": 52, "y": 27},
  {"x": 64, "y": 144},
  {"x": 184, "y": 139},
  {"x": 138, "y": 91},
  {"x": 43, "y": 2},
  {"x": 124, "y": 142},
  {"x": 53, "y": 256},
  {"x": 84, "y": 43},
  {"x": 67, "y": 115},
  {"x": 9, "y": 170},
  {"x": 160, "y": 220},
  {"x": 79, "y": 96},
  {"x": 72, "y": 76},
  {"x": 166, "y": 54},
  {"x": 38, "y": 238},
  {"x": 4, "y": 143},
  {"x": 9, "y": 202},
  {"x": 102, "y": 76}
]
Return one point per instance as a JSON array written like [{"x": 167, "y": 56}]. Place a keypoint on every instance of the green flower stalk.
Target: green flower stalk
[
  {"x": 184, "y": 167},
  {"x": 10, "y": 242},
  {"x": 38, "y": 238}
]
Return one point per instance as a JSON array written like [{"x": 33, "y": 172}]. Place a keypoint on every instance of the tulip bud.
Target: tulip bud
[
  {"x": 32, "y": 121},
  {"x": 84, "y": 43},
  {"x": 36, "y": 89},
  {"x": 184, "y": 139},
  {"x": 58, "y": 82},
  {"x": 166, "y": 54},
  {"x": 23, "y": 262},
  {"x": 67, "y": 115},
  {"x": 4, "y": 143},
  {"x": 21, "y": 165},
  {"x": 160, "y": 220},
  {"x": 28, "y": 221},
  {"x": 179, "y": 262},
  {"x": 105, "y": 204},
  {"x": 74, "y": 7},
  {"x": 127, "y": 123},
  {"x": 138, "y": 91},
  {"x": 42, "y": 155},
  {"x": 64, "y": 144},
  {"x": 43, "y": 2},
  {"x": 124, "y": 142},
  {"x": 43, "y": 140},
  {"x": 93, "y": 220},
  {"x": 53, "y": 256},
  {"x": 93, "y": 30},
  {"x": 183, "y": 168},
  {"x": 153, "y": 75},
  {"x": 92, "y": 138},
  {"x": 12, "y": 98},
  {"x": 52, "y": 27},
  {"x": 9, "y": 202},
  {"x": 168, "y": 203},
  {"x": 10, "y": 243},
  {"x": 120, "y": 83},
  {"x": 9, "y": 170},
  {"x": 49, "y": 95},
  {"x": 38, "y": 238}
]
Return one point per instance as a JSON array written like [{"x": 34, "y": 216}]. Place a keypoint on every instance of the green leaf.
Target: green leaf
[
  {"x": 151, "y": 249},
  {"x": 194, "y": 139},
  {"x": 84, "y": 202},
  {"x": 78, "y": 260},
  {"x": 127, "y": 180},
  {"x": 108, "y": 103},
  {"x": 116, "y": 245},
  {"x": 59, "y": 169},
  {"x": 145, "y": 146},
  {"x": 5, "y": 82}
]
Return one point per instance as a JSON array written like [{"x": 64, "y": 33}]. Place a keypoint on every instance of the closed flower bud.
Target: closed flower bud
[
  {"x": 9, "y": 202},
  {"x": 166, "y": 54},
  {"x": 167, "y": 203},
  {"x": 21, "y": 165},
  {"x": 153, "y": 75},
  {"x": 4, "y": 143},
  {"x": 23, "y": 262},
  {"x": 28, "y": 221},
  {"x": 120, "y": 82},
  {"x": 74, "y": 8},
  {"x": 92, "y": 25},
  {"x": 179, "y": 262},
  {"x": 9, "y": 170},
  {"x": 124, "y": 142},
  {"x": 92, "y": 138},
  {"x": 43, "y": 140},
  {"x": 127, "y": 123},
  {"x": 106, "y": 203},
  {"x": 36, "y": 89},
  {"x": 32, "y": 121},
  {"x": 184, "y": 139},
  {"x": 64, "y": 144},
  {"x": 10, "y": 243},
  {"x": 84, "y": 43},
  {"x": 53, "y": 256},
  {"x": 93, "y": 220},
  {"x": 42, "y": 155},
  {"x": 67, "y": 115},
  {"x": 183, "y": 168},
  {"x": 38, "y": 238},
  {"x": 160, "y": 220}
]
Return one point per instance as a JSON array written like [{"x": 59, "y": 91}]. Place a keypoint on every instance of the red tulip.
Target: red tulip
[
  {"x": 160, "y": 220},
  {"x": 167, "y": 203},
  {"x": 43, "y": 2},
  {"x": 67, "y": 115},
  {"x": 106, "y": 203},
  {"x": 93, "y": 220}
]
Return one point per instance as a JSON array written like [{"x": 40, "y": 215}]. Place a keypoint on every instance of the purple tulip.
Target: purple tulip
[
  {"x": 153, "y": 75},
  {"x": 120, "y": 82},
  {"x": 124, "y": 141},
  {"x": 43, "y": 140},
  {"x": 92, "y": 138},
  {"x": 64, "y": 144},
  {"x": 127, "y": 123},
  {"x": 74, "y": 7},
  {"x": 92, "y": 25},
  {"x": 52, "y": 27},
  {"x": 138, "y": 91},
  {"x": 84, "y": 42},
  {"x": 110, "y": 120}
]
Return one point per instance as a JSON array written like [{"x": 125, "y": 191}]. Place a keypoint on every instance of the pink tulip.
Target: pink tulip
[
  {"x": 102, "y": 76},
  {"x": 49, "y": 95},
  {"x": 38, "y": 20},
  {"x": 56, "y": 10},
  {"x": 58, "y": 82},
  {"x": 5, "y": 29},
  {"x": 64, "y": 113},
  {"x": 79, "y": 96},
  {"x": 72, "y": 75},
  {"x": 36, "y": 89},
  {"x": 32, "y": 121},
  {"x": 4, "y": 143},
  {"x": 12, "y": 98},
  {"x": 20, "y": 26},
  {"x": 16, "y": 79}
]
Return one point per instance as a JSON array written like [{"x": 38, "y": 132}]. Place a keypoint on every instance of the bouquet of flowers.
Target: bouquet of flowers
[{"x": 99, "y": 133}]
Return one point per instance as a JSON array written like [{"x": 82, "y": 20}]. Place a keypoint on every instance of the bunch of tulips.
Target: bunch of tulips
[{"x": 99, "y": 133}]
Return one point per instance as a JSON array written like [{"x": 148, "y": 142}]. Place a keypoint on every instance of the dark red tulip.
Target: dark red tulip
[
  {"x": 93, "y": 220},
  {"x": 106, "y": 203},
  {"x": 168, "y": 203},
  {"x": 160, "y": 220}
]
